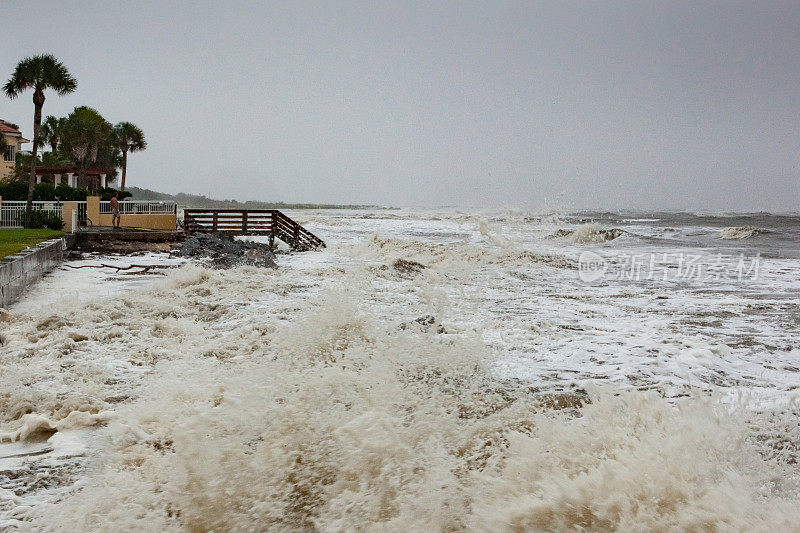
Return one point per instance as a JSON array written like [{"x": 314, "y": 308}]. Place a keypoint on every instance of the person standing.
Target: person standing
[{"x": 114, "y": 204}]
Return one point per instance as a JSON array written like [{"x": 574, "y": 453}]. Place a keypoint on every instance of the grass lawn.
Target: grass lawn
[{"x": 16, "y": 240}]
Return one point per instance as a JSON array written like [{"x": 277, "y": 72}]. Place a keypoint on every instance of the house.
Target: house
[
  {"x": 55, "y": 174},
  {"x": 14, "y": 140}
]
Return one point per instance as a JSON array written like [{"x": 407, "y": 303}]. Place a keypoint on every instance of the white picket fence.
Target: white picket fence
[{"x": 11, "y": 212}]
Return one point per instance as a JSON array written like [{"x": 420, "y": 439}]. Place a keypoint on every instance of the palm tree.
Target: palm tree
[
  {"x": 38, "y": 73},
  {"x": 128, "y": 137},
  {"x": 50, "y": 131},
  {"x": 84, "y": 133}
]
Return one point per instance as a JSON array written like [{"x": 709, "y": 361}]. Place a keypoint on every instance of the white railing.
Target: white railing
[
  {"x": 131, "y": 207},
  {"x": 11, "y": 213}
]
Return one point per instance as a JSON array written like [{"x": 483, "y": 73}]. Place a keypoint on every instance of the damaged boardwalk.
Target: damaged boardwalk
[{"x": 268, "y": 222}]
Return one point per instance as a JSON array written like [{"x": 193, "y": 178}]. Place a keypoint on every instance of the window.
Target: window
[{"x": 9, "y": 155}]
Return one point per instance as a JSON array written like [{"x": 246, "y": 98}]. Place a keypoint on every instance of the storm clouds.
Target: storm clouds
[{"x": 615, "y": 105}]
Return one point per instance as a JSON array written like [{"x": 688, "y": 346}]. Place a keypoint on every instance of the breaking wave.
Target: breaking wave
[
  {"x": 354, "y": 429},
  {"x": 252, "y": 399},
  {"x": 456, "y": 256},
  {"x": 588, "y": 234},
  {"x": 341, "y": 421},
  {"x": 739, "y": 232}
]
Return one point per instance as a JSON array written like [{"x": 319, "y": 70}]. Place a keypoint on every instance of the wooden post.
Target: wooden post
[
  {"x": 244, "y": 222},
  {"x": 272, "y": 229},
  {"x": 216, "y": 218}
]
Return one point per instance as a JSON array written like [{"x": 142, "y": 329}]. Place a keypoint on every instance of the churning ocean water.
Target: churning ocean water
[{"x": 431, "y": 370}]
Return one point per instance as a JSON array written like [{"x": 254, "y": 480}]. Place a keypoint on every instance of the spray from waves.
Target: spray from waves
[
  {"x": 739, "y": 232},
  {"x": 455, "y": 257},
  {"x": 588, "y": 234},
  {"x": 491, "y": 234},
  {"x": 338, "y": 421}
]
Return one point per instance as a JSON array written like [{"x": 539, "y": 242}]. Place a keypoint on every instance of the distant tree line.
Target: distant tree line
[{"x": 201, "y": 201}]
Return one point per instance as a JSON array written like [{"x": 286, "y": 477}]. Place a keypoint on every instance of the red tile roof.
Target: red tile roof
[{"x": 8, "y": 128}]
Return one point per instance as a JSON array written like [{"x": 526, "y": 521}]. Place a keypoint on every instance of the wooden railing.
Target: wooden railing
[{"x": 269, "y": 222}]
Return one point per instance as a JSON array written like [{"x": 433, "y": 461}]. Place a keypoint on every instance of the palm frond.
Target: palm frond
[
  {"x": 129, "y": 137},
  {"x": 39, "y": 73}
]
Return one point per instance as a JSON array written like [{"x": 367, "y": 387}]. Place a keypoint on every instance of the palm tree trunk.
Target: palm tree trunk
[
  {"x": 82, "y": 175},
  {"x": 38, "y": 102},
  {"x": 124, "y": 169}
]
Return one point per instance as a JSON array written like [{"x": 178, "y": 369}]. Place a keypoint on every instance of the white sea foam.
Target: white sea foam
[
  {"x": 33, "y": 424},
  {"x": 253, "y": 399},
  {"x": 361, "y": 426}
]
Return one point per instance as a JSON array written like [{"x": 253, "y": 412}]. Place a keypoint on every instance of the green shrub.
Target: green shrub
[
  {"x": 43, "y": 220},
  {"x": 43, "y": 191},
  {"x": 18, "y": 190},
  {"x": 65, "y": 193},
  {"x": 14, "y": 190}
]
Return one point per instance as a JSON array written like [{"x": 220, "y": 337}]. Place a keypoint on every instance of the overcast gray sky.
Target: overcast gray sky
[{"x": 676, "y": 105}]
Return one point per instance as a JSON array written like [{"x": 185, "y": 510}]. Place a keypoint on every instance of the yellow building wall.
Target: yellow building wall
[
  {"x": 66, "y": 215},
  {"x": 162, "y": 221},
  {"x": 166, "y": 221},
  {"x": 7, "y": 167},
  {"x": 93, "y": 210},
  {"x": 148, "y": 221}
]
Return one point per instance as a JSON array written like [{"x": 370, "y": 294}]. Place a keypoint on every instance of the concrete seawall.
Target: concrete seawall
[{"x": 20, "y": 271}]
